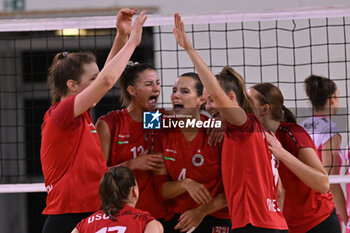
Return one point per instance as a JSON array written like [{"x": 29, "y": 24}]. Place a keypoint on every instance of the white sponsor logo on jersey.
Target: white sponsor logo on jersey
[{"x": 171, "y": 151}]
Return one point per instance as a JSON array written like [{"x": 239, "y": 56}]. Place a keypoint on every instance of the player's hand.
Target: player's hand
[
  {"x": 148, "y": 162},
  {"x": 216, "y": 135},
  {"x": 180, "y": 33},
  {"x": 197, "y": 191},
  {"x": 189, "y": 219},
  {"x": 124, "y": 21},
  {"x": 136, "y": 30},
  {"x": 274, "y": 145}
]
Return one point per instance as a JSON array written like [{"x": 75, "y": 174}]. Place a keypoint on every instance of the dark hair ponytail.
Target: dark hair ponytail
[
  {"x": 230, "y": 80},
  {"x": 115, "y": 188},
  {"x": 272, "y": 95},
  {"x": 319, "y": 90}
]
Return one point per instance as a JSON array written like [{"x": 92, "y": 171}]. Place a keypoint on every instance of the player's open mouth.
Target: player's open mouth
[
  {"x": 178, "y": 107},
  {"x": 152, "y": 100}
]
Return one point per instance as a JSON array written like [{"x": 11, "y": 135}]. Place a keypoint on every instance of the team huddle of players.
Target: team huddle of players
[{"x": 266, "y": 175}]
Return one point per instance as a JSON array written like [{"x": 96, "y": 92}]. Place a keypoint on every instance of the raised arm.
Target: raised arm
[
  {"x": 111, "y": 72},
  {"x": 230, "y": 110},
  {"x": 123, "y": 25}
]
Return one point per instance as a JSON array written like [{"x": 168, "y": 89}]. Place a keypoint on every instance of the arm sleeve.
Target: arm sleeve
[
  {"x": 111, "y": 121},
  {"x": 80, "y": 226},
  {"x": 63, "y": 114},
  {"x": 242, "y": 132},
  {"x": 302, "y": 137},
  {"x": 146, "y": 218}
]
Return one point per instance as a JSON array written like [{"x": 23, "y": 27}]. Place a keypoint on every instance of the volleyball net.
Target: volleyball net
[{"x": 281, "y": 47}]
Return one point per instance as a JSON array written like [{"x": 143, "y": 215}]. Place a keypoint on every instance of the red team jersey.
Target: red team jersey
[
  {"x": 128, "y": 220},
  {"x": 71, "y": 159},
  {"x": 196, "y": 160},
  {"x": 250, "y": 177},
  {"x": 304, "y": 208},
  {"x": 128, "y": 140}
]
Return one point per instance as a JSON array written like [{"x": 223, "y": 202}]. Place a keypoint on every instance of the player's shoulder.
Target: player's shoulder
[
  {"x": 115, "y": 114},
  {"x": 293, "y": 127}
]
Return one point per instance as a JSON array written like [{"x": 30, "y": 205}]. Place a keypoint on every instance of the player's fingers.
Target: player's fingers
[
  {"x": 201, "y": 198},
  {"x": 142, "y": 19},
  {"x": 156, "y": 166},
  {"x": 186, "y": 228},
  {"x": 144, "y": 152},
  {"x": 182, "y": 223},
  {"x": 156, "y": 160},
  {"x": 176, "y": 19},
  {"x": 182, "y": 27},
  {"x": 134, "y": 11},
  {"x": 216, "y": 138},
  {"x": 211, "y": 138},
  {"x": 206, "y": 195},
  {"x": 153, "y": 165},
  {"x": 139, "y": 19},
  {"x": 196, "y": 198},
  {"x": 156, "y": 156},
  {"x": 222, "y": 136},
  {"x": 126, "y": 11}
]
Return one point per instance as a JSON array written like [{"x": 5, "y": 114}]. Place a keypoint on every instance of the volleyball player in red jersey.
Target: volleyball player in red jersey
[
  {"x": 125, "y": 142},
  {"x": 193, "y": 166},
  {"x": 119, "y": 193},
  {"x": 71, "y": 155},
  {"x": 303, "y": 177},
  {"x": 249, "y": 176}
]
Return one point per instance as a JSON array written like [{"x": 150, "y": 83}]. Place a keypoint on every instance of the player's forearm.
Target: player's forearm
[
  {"x": 119, "y": 41},
  {"x": 218, "y": 203},
  {"x": 172, "y": 189},
  {"x": 312, "y": 177},
  {"x": 339, "y": 201},
  {"x": 228, "y": 109}
]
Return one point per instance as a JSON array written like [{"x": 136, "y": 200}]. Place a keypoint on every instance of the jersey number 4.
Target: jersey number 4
[
  {"x": 182, "y": 175},
  {"x": 118, "y": 229}
]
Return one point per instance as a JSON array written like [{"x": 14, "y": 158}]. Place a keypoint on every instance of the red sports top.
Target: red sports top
[
  {"x": 250, "y": 177},
  {"x": 304, "y": 208},
  {"x": 128, "y": 140},
  {"x": 196, "y": 160},
  {"x": 128, "y": 220},
  {"x": 71, "y": 159}
]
